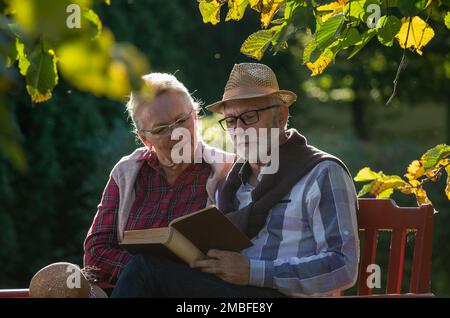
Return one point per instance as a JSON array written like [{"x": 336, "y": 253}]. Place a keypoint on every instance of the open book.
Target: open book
[{"x": 189, "y": 237}]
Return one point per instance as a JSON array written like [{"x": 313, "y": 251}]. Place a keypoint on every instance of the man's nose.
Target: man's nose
[{"x": 240, "y": 124}]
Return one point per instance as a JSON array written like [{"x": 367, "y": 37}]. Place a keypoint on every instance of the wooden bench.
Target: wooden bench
[{"x": 375, "y": 215}]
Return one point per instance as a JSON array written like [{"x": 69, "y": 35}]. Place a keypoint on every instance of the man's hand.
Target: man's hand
[{"x": 232, "y": 267}]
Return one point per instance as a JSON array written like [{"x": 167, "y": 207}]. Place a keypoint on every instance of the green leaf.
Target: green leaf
[
  {"x": 91, "y": 16},
  {"x": 310, "y": 48},
  {"x": 42, "y": 75},
  {"x": 303, "y": 18},
  {"x": 411, "y": 8},
  {"x": 389, "y": 3},
  {"x": 257, "y": 43},
  {"x": 365, "y": 38},
  {"x": 366, "y": 174},
  {"x": 280, "y": 34},
  {"x": 291, "y": 9},
  {"x": 278, "y": 21},
  {"x": 357, "y": 10},
  {"x": 329, "y": 31},
  {"x": 447, "y": 20},
  {"x": 434, "y": 155},
  {"x": 24, "y": 63},
  {"x": 348, "y": 38},
  {"x": 11, "y": 54},
  {"x": 351, "y": 38},
  {"x": 365, "y": 189},
  {"x": 387, "y": 28},
  {"x": 386, "y": 194}
]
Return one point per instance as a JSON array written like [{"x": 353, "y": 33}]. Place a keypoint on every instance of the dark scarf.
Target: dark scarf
[{"x": 296, "y": 157}]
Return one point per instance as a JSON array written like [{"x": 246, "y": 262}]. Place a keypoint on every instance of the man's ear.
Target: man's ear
[{"x": 284, "y": 114}]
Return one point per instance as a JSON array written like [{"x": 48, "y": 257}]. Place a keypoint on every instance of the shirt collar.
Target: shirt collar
[{"x": 151, "y": 158}]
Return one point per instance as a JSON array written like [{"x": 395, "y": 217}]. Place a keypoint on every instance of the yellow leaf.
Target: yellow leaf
[
  {"x": 38, "y": 97},
  {"x": 447, "y": 188},
  {"x": 255, "y": 4},
  {"x": 366, "y": 174},
  {"x": 268, "y": 10},
  {"x": 385, "y": 194},
  {"x": 210, "y": 10},
  {"x": 414, "y": 183},
  {"x": 421, "y": 196},
  {"x": 415, "y": 170},
  {"x": 385, "y": 183},
  {"x": 318, "y": 66},
  {"x": 236, "y": 9},
  {"x": 118, "y": 85},
  {"x": 444, "y": 162},
  {"x": 433, "y": 173},
  {"x": 407, "y": 189},
  {"x": 420, "y": 33},
  {"x": 335, "y": 8}
]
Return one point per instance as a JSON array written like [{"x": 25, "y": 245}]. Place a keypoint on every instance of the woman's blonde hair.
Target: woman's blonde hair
[{"x": 156, "y": 84}]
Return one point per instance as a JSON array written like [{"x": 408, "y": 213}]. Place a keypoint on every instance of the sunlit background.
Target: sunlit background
[{"x": 59, "y": 153}]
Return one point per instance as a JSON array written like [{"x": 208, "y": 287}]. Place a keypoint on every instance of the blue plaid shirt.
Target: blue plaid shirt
[{"x": 309, "y": 245}]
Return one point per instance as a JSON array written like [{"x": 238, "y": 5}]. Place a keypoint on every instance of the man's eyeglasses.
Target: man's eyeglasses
[
  {"x": 248, "y": 118},
  {"x": 166, "y": 129}
]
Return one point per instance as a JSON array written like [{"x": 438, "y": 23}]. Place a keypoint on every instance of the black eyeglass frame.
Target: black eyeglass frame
[{"x": 224, "y": 124}]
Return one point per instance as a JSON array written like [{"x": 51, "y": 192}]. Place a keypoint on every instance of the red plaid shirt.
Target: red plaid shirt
[{"x": 156, "y": 204}]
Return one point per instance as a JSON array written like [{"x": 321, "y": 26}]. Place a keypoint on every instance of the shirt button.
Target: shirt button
[{"x": 346, "y": 233}]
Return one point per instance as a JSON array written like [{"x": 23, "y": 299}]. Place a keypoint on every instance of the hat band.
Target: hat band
[{"x": 232, "y": 93}]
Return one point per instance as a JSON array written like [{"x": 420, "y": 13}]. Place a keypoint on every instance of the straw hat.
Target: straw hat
[
  {"x": 250, "y": 80},
  {"x": 60, "y": 280}
]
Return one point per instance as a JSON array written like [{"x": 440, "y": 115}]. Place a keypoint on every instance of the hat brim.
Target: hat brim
[{"x": 288, "y": 98}]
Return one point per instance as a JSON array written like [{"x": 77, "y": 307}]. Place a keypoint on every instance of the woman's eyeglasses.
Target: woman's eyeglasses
[{"x": 166, "y": 129}]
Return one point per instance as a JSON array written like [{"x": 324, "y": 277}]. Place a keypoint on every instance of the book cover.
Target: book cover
[{"x": 188, "y": 237}]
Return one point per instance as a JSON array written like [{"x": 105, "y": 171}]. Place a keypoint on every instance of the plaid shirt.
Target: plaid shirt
[
  {"x": 155, "y": 205},
  {"x": 309, "y": 245}
]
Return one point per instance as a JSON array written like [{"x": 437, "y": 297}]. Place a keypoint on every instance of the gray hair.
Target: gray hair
[
  {"x": 277, "y": 100},
  {"x": 156, "y": 85}
]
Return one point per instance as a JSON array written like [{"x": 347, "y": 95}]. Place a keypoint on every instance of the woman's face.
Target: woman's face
[{"x": 167, "y": 109}]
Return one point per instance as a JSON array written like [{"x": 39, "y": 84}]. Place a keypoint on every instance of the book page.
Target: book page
[
  {"x": 182, "y": 247},
  {"x": 147, "y": 236}
]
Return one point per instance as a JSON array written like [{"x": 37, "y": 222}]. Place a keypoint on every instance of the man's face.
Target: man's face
[
  {"x": 256, "y": 118},
  {"x": 164, "y": 110}
]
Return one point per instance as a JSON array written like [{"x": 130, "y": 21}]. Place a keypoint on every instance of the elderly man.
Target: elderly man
[{"x": 301, "y": 218}]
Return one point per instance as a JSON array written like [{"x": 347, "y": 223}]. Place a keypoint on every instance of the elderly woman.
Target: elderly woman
[{"x": 148, "y": 188}]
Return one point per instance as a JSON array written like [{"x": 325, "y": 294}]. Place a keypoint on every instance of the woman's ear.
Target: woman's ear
[{"x": 145, "y": 141}]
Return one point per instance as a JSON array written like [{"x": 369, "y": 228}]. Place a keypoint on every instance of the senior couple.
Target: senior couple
[{"x": 300, "y": 218}]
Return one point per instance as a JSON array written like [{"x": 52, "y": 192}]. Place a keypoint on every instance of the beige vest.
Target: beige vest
[{"x": 125, "y": 172}]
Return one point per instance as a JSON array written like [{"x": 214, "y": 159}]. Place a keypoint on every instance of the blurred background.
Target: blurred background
[{"x": 72, "y": 141}]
